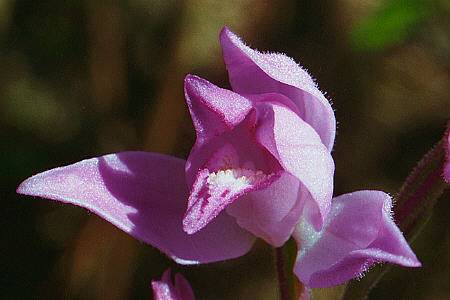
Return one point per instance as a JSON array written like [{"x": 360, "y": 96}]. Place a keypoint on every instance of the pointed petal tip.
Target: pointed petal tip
[
  {"x": 189, "y": 79},
  {"x": 415, "y": 263},
  {"x": 190, "y": 226},
  {"x": 21, "y": 189},
  {"x": 31, "y": 185},
  {"x": 224, "y": 32},
  {"x": 194, "y": 84},
  {"x": 228, "y": 38},
  {"x": 409, "y": 260}
]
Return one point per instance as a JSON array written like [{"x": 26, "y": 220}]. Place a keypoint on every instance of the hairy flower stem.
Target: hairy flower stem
[
  {"x": 284, "y": 260},
  {"x": 412, "y": 209},
  {"x": 420, "y": 191}
]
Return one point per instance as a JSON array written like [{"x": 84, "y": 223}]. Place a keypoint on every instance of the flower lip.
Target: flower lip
[{"x": 219, "y": 184}]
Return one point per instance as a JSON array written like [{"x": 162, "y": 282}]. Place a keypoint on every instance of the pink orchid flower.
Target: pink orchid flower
[
  {"x": 261, "y": 167},
  {"x": 166, "y": 290}
]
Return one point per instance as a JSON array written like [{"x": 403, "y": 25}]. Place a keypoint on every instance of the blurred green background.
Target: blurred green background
[{"x": 84, "y": 78}]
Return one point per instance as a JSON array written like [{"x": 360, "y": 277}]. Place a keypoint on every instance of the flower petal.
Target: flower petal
[
  {"x": 252, "y": 72},
  {"x": 218, "y": 185},
  {"x": 145, "y": 195},
  {"x": 214, "y": 110},
  {"x": 300, "y": 151},
  {"x": 359, "y": 232},
  {"x": 166, "y": 290},
  {"x": 273, "y": 212}
]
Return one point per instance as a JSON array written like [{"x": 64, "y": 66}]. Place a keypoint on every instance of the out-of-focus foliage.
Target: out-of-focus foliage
[
  {"x": 390, "y": 24},
  {"x": 84, "y": 78}
]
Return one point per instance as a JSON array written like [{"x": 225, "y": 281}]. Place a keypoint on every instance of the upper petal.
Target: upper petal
[
  {"x": 252, "y": 72},
  {"x": 145, "y": 195},
  {"x": 214, "y": 110},
  {"x": 299, "y": 151},
  {"x": 358, "y": 233}
]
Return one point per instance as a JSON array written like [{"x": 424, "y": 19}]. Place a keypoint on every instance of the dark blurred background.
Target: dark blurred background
[{"x": 84, "y": 78}]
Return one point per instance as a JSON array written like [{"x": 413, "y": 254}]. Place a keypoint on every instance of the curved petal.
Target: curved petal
[
  {"x": 218, "y": 185},
  {"x": 241, "y": 138},
  {"x": 145, "y": 195},
  {"x": 273, "y": 212},
  {"x": 252, "y": 72},
  {"x": 359, "y": 232},
  {"x": 214, "y": 110},
  {"x": 300, "y": 151}
]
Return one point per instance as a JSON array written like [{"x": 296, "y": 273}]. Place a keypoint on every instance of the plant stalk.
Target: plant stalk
[{"x": 290, "y": 287}]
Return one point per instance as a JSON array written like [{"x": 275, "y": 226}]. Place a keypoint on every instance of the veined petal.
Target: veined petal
[
  {"x": 359, "y": 232},
  {"x": 252, "y": 72},
  {"x": 300, "y": 151},
  {"x": 214, "y": 110},
  {"x": 218, "y": 185},
  {"x": 145, "y": 195}
]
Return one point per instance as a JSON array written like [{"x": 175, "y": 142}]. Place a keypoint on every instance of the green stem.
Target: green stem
[{"x": 284, "y": 261}]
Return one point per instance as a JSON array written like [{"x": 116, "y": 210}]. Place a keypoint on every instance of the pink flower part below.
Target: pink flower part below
[
  {"x": 359, "y": 233},
  {"x": 167, "y": 290}
]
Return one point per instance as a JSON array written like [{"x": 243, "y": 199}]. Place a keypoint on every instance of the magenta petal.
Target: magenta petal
[
  {"x": 273, "y": 212},
  {"x": 359, "y": 232},
  {"x": 252, "y": 72},
  {"x": 214, "y": 110},
  {"x": 300, "y": 151},
  {"x": 145, "y": 195},
  {"x": 166, "y": 290},
  {"x": 219, "y": 185}
]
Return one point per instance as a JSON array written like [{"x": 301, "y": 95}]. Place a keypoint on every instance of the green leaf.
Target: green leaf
[{"x": 392, "y": 24}]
